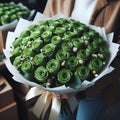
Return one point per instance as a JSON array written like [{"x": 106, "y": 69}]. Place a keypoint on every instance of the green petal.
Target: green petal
[
  {"x": 64, "y": 76},
  {"x": 38, "y": 59},
  {"x": 82, "y": 54},
  {"x": 49, "y": 49},
  {"x": 67, "y": 46},
  {"x": 95, "y": 64},
  {"x": 41, "y": 74},
  {"x": 27, "y": 52},
  {"x": 82, "y": 72},
  {"x": 62, "y": 55},
  {"x": 26, "y": 66},
  {"x": 56, "y": 40},
  {"x": 37, "y": 43},
  {"x": 72, "y": 62},
  {"x": 25, "y": 34},
  {"x": 53, "y": 66}
]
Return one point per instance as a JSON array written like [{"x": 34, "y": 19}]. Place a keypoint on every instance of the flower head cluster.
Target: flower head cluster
[
  {"x": 10, "y": 12},
  {"x": 55, "y": 52}
]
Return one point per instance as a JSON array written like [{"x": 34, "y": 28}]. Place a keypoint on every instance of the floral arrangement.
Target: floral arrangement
[
  {"x": 60, "y": 55},
  {"x": 59, "y": 52},
  {"x": 10, "y": 12}
]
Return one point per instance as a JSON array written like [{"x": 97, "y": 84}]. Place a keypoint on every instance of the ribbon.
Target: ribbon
[{"x": 48, "y": 106}]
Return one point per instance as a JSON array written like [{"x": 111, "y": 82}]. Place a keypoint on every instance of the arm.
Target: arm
[{"x": 54, "y": 7}]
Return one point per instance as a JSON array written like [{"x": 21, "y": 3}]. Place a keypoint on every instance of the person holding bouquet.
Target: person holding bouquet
[{"x": 94, "y": 101}]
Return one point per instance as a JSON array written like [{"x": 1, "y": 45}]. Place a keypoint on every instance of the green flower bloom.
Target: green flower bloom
[
  {"x": 54, "y": 23},
  {"x": 5, "y": 19},
  {"x": 82, "y": 72},
  {"x": 92, "y": 33},
  {"x": 17, "y": 60},
  {"x": 104, "y": 51},
  {"x": 26, "y": 66},
  {"x": 41, "y": 28},
  {"x": 37, "y": 44},
  {"x": 77, "y": 42},
  {"x": 64, "y": 76},
  {"x": 41, "y": 74},
  {"x": 16, "y": 42},
  {"x": 62, "y": 55},
  {"x": 95, "y": 64},
  {"x": 72, "y": 62},
  {"x": 46, "y": 36},
  {"x": 67, "y": 46},
  {"x": 16, "y": 51},
  {"x": 99, "y": 41},
  {"x": 38, "y": 59},
  {"x": 25, "y": 40},
  {"x": 68, "y": 35},
  {"x": 91, "y": 48},
  {"x": 27, "y": 52},
  {"x": 53, "y": 66},
  {"x": 49, "y": 49},
  {"x": 32, "y": 27},
  {"x": 62, "y": 21},
  {"x": 25, "y": 34},
  {"x": 60, "y": 31},
  {"x": 56, "y": 40},
  {"x": 35, "y": 34},
  {"x": 13, "y": 17},
  {"x": 43, "y": 22},
  {"x": 51, "y": 28},
  {"x": 82, "y": 55}
]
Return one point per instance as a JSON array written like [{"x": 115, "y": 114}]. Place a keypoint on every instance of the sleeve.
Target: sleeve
[{"x": 54, "y": 7}]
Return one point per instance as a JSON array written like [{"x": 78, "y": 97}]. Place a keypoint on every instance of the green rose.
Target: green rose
[
  {"x": 99, "y": 41},
  {"x": 27, "y": 52},
  {"x": 41, "y": 74},
  {"x": 82, "y": 72},
  {"x": 62, "y": 55},
  {"x": 77, "y": 42},
  {"x": 46, "y": 36},
  {"x": 60, "y": 31},
  {"x": 5, "y": 19},
  {"x": 95, "y": 64},
  {"x": 72, "y": 62},
  {"x": 37, "y": 44},
  {"x": 49, "y": 49},
  {"x": 35, "y": 34},
  {"x": 32, "y": 27},
  {"x": 53, "y": 66},
  {"x": 56, "y": 40},
  {"x": 64, "y": 76},
  {"x": 104, "y": 51},
  {"x": 82, "y": 55},
  {"x": 91, "y": 48},
  {"x": 17, "y": 51},
  {"x": 67, "y": 46},
  {"x": 17, "y": 60},
  {"x": 16, "y": 42},
  {"x": 40, "y": 28},
  {"x": 38, "y": 59},
  {"x": 25, "y": 34},
  {"x": 26, "y": 66}
]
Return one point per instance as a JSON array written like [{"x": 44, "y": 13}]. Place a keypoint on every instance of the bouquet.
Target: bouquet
[
  {"x": 10, "y": 13},
  {"x": 58, "y": 54}
]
